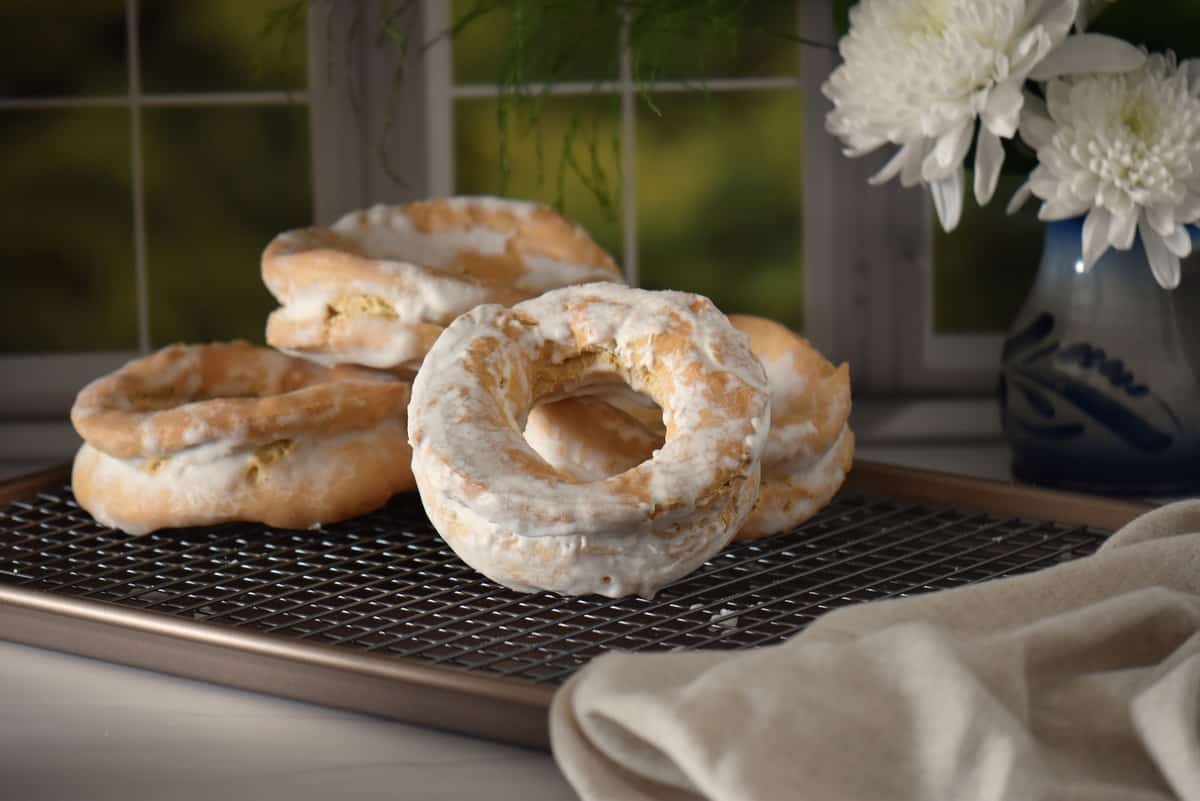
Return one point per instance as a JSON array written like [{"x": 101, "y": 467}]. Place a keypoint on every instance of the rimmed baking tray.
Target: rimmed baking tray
[{"x": 377, "y": 615}]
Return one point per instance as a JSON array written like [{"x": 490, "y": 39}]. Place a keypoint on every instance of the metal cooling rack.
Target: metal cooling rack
[{"x": 386, "y": 584}]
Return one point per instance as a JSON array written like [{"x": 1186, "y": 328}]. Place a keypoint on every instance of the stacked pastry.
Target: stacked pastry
[
  {"x": 378, "y": 286},
  {"x": 315, "y": 431},
  {"x": 565, "y": 432}
]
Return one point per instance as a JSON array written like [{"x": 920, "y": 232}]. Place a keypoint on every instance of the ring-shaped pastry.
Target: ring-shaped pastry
[
  {"x": 808, "y": 453},
  {"x": 202, "y": 434},
  {"x": 529, "y": 526},
  {"x": 811, "y": 446},
  {"x": 378, "y": 286}
]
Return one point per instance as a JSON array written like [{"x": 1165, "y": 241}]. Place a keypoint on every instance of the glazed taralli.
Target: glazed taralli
[
  {"x": 509, "y": 514},
  {"x": 203, "y": 434},
  {"x": 378, "y": 286}
]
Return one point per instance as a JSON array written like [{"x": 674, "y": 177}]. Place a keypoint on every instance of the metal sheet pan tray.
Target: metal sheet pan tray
[{"x": 377, "y": 615}]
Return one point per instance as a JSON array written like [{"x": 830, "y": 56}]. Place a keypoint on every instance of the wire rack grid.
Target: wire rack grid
[{"x": 387, "y": 584}]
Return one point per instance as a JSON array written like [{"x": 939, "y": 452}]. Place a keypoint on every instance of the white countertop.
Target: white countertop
[{"x": 76, "y": 729}]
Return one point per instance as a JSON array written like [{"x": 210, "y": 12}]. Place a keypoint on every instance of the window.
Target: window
[
  {"x": 153, "y": 148},
  {"x": 170, "y": 146},
  {"x": 707, "y": 196}
]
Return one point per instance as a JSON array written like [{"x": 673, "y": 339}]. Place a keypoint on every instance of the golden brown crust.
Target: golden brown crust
[
  {"x": 308, "y": 257},
  {"x": 526, "y": 524},
  {"x": 314, "y": 339},
  {"x": 824, "y": 401},
  {"x": 809, "y": 451},
  {"x": 541, "y": 232},
  {"x": 186, "y": 395},
  {"x": 785, "y": 502},
  {"x": 381, "y": 283},
  {"x": 317, "y": 481},
  {"x": 228, "y": 431}
]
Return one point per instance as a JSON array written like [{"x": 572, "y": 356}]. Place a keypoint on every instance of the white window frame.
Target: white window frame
[{"x": 867, "y": 250}]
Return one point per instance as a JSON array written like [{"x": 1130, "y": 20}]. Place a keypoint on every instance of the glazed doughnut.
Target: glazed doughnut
[
  {"x": 202, "y": 434},
  {"x": 378, "y": 286},
  {"x": 530, "y": 526},
  {"x": 808, "y": 453}
]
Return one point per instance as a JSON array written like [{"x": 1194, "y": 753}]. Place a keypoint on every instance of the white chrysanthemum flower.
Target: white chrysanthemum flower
[
  {"x": 1125, "y": 150},
  {"x": 919, "y": 73}
]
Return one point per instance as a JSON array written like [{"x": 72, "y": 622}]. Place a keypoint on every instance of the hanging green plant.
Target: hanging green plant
[{"x": 551, "y": 41}]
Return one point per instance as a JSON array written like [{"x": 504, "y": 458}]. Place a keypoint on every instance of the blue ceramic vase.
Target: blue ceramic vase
[{"x": 1100, "y": 385}]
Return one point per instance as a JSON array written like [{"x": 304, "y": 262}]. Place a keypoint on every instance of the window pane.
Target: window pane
[
  {"x": 984, "y": 268},
  {"x": 569, "y": 45},
  {"x": 220, "y": 183},
  {"x": 750, "y": 39},
  {"x": 223, "y": 45},
  {"x": 66, "y": 234},
  {"x": 578, "y": 168},
  {"x": 62, "y": 47},
  {"x": 719, "y": 188}
]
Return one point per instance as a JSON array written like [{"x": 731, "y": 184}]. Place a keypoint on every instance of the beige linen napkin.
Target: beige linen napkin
[{"x": 1077, "y": 682}]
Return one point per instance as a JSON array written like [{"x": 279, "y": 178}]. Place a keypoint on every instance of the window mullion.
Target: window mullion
[
  {"x": 438, "y": 75},
  {"x": 336, "y": 133},
  {"x": 137, "y": 176},
  {"x": 629, "y": 234},
  {"x": 828, "y": 258},
  {"x": 381, "y": 129}
]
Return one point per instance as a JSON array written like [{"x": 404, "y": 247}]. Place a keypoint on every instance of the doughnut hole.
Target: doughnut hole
[{"x": 596, "y": 432}]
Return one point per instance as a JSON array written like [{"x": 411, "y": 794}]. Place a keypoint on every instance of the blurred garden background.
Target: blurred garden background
[{"x": 719, "y": 175}]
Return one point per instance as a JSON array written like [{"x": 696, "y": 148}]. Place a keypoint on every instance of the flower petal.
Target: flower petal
[
  {"x": 1088, "y": 52},
  {"x": 1003, "y": 109},
  {"x": 910, "y": 174},
  {"x": 1191, "y": 68},
  {"x": 1163, "y": 263},
  {"x": 1062, "y": 208},
  {"x": 1095, "y": 236},
  {"x": 1189, "y": 210},
  {"x": 1056, "y": 16},
  {"x": 1058, "y": 96},
  {"x": 1179, "y": 242},
  {"x": 1037, "y": 129},
  {"x": 947, "y": 155},
  {"x": 1122, "y": 230},
  {"x": 948, "y": 199},
  {"x": 1023, "y": 193},
  {"x": 1030, "y": 49},
  {"x": 1084, "y": 184},
  {"x": 895, "y": 163},
  {"x": 1161, "y": 218},
  {"x": 989, "y": 156},
  {"x": 1043, "y": 183}
]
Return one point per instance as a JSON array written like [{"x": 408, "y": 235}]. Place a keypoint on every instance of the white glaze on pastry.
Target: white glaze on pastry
[
  {"x": 377, "y": 287},
  {"x": 808, "y": 453},
  {"x": 527, "y": 525},
  {"x": 204, "y": 434}
]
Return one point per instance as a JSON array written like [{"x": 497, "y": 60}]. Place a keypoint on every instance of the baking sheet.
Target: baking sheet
[{"x": 378, "y": 615}]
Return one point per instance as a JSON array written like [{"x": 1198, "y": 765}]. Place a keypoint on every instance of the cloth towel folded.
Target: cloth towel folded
[{"x": 1081, "y": 681}]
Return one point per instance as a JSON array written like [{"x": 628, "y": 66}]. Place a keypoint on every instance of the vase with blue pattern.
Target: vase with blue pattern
[{"x": 1100, "y": 383}]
